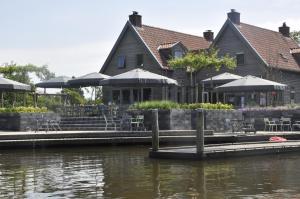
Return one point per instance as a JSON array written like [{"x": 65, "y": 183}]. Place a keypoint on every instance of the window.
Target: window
[
  {"x": 292, "y": 95},
  {"x": 126, "y": 96},
  {"x": 240, "y": 59},
  {"x": 116, "y": 96},
  {"x": 178, "y": 54},
  {"x": 122, "y": 61},
  {"x": 136, "y": 95},
  {"x": 147, "y": 94},
  {"x": 139, "y": 60}
]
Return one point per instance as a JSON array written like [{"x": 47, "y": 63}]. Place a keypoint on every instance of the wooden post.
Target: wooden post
[
  {"x": 200, "y": 132},
  {"x": 155, "y": 130}
]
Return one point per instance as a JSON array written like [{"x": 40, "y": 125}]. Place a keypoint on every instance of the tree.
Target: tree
[
  {"x": 75, "y": 95},
  {"x": 23, "y": 73},
  {"x": 208, "y": 59},
  {"x": 296, "y": 36}
]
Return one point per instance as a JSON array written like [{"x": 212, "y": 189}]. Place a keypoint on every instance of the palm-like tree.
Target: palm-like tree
[{"x": 194, "y": 62}]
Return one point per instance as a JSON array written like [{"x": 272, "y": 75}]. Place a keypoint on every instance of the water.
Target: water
[{"x": 127, "y": 172}]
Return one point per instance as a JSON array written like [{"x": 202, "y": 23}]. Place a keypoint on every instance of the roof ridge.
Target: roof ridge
[
  {"x": 172, "y": 31},
  {"x": 261, "y": 28}
]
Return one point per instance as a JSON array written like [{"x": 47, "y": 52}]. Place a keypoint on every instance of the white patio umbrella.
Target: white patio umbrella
[
  {"x": 11, "y": 85},
  {"x": 251, "y": 83},
  {"x": 138, "y": 77}
]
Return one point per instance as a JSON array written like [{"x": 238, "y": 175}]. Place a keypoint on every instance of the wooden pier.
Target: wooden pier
[
  {"x": 226, "y": 150},
  {"x": 201, "y": 151}
]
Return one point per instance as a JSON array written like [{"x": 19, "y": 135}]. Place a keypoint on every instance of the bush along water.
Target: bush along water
[
  {"x": 166, "y": 105},
  {"x": 23, "y": 109}
]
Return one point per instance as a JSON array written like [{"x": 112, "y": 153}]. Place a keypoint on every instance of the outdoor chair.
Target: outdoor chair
[
  {"x": 248, "y": 126},
  {"x": 270, "y": 124},
  {"x": 41, "y": 124},
  {"x": 125, "y": 122},
  {"x": 54, "y": 125},
  {"x": 296, "y": 125},
  {"x": 137, "y": 123},
  {"x": 286, "y": 122},
  {"x": 109, "y": 122}
]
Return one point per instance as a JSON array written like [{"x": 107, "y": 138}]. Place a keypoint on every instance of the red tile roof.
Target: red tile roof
[
  {"x": 272, "y": 46},
  {"x": 154, "y": 37}
]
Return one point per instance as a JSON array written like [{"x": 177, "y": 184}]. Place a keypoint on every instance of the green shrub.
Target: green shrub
[
  {"x": 155, "y": 105},
  {"x": 173, "y": 105},
  {"x": 22, "y": 109}
]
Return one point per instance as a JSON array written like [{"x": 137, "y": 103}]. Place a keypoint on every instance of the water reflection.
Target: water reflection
[{"x": 126, "y": 172}]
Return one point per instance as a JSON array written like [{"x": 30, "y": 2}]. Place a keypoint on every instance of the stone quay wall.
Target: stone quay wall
[
  {"x": 24, "y": 121},
  {"x": 216, "y": 120}
]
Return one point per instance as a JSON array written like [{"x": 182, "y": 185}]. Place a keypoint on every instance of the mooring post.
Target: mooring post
[
  {"x": 155, "y": 130},
  {"x": 200, "y": 131}
]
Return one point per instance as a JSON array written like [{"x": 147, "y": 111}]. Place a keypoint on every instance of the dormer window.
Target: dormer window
[
  {"x": 122, "y": 61},
  {"x": 240, "y": 59},
  {"x": 178, "y": 54}
]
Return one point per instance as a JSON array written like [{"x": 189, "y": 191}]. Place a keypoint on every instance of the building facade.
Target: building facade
[
  {"x": 147, "y": 47},
  {"x": 263, "y": 53},
  {"x": 258, "y": 51}
]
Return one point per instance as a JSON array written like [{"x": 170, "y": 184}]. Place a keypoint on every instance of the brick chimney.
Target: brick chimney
[
  {"x": 208, "y": 35},
  {"x": 284, "y": 30},
  {"x": 234, "y": 17},
  {"x": 135, "y": 19}
]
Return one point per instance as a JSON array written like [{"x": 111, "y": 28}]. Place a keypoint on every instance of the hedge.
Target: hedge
[
  {"x": 22, "y": 109},
  {"x": 173, "y": 105}
]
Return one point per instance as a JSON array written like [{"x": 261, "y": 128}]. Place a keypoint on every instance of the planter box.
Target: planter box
[
  {"x": 181, "y": 119},
  {"x": 216, "y": 120},
  {"x": 23, "y": 121},
  {"x": 174, "y": 119}
]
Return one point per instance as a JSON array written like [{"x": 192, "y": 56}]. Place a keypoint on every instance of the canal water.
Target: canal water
[{"x": 127, "y": 172}]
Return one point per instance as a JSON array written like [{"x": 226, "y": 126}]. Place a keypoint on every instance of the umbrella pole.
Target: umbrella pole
[
  {"x": 24, "y": 100},
  {"x": 95, "y": 94},
  {"x": 60, "y": 96},
  {"x": 14, "y": 101},
  {"x": 35, "y": 99},
  {"x": 2, "y": 99}
]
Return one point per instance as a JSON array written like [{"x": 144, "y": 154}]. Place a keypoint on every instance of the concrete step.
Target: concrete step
[
  {"x": 83, "y": 122},
  {"x": 88, "y": 128},
  {"x": 84, "y": 118},
  {"x": 86, "y": 125}
]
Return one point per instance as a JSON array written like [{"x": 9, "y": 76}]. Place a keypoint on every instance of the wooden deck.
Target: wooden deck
[{"x": 227, "y": 150}]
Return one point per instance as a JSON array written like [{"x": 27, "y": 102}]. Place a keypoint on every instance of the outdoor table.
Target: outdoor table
[{"x": 296, "y": 124}]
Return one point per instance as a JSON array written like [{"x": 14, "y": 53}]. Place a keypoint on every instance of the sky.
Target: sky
[{"x": 74, "y": 37}]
